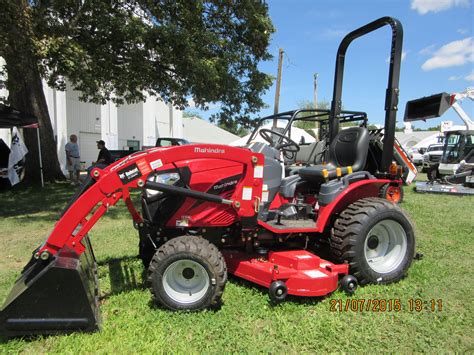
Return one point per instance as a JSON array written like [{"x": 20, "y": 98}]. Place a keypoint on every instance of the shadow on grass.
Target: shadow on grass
[
  {"x": 125, "y": 274},
  {"x": 32, "y": 205},
  {"x": 27, "y": 200}
]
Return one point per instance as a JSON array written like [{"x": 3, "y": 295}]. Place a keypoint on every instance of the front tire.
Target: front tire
[
  {"x": 376, "y": 238},
  {"x": 187, "y": 273}
]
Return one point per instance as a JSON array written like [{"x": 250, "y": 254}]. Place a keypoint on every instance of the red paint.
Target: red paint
[
  {"x": 278, "y": 201},
  {"x": 109, "y": 189},
  {"x": 205, "y": 173},
  {"x": 355, "y": 191},
  {"x": 304, "y": 273},
  {"x": 286, "y": 230}
]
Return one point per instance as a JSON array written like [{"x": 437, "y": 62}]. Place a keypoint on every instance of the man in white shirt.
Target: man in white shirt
[{"x": 73, "y": 159}]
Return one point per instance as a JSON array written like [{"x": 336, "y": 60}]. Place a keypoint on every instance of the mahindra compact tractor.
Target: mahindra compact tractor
[{"x": 212, "y": 210}]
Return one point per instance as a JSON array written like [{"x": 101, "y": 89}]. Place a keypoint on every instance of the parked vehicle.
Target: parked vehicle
[
  {"x": 160, "y": 142},
  {"x": 167, "y": 141},
  {"x": 432, "y": 156},
  {"x": 416, "y": 155}
]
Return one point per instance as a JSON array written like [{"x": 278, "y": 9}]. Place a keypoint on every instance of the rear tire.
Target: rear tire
[
  {"x": 187, "y": 273},
  {"x": 376, "y": 238}
]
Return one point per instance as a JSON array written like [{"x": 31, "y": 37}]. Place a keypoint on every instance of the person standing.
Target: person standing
[
  {"x": 73, "y": 159},
  {"x": 104, "y": 155}
]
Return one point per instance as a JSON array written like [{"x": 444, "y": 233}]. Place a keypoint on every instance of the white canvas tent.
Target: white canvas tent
[{"x": 296, "y": 134}]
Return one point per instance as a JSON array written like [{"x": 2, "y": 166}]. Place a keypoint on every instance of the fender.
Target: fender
[
  {"x": 114, "y": 182},
  {"x": 355, "y": 191}
]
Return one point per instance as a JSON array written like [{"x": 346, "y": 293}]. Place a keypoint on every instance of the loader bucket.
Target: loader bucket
[
  {"x": 427, "y": 107},
  {"x": 56, "y": 297}
]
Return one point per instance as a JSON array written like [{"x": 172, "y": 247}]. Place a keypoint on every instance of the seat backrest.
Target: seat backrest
[
  {"x": 350, "y": 148},
  {"x": 317, "y": 155},
  {"x": 305, "y": 152}
]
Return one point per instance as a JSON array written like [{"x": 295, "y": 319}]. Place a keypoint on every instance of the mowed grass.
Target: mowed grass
[{"x": 247, "y": 321}]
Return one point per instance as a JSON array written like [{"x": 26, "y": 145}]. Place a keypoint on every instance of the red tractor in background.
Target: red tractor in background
[{"x": 209, "y": 210}]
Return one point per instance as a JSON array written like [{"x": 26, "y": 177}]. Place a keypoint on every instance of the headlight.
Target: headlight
[{"x": 166, "y": 178}]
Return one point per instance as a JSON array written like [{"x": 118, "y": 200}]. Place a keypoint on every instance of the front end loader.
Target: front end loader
[{"x": 210, "y": 210}]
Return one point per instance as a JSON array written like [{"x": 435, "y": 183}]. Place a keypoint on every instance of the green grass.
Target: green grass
[{"x": 247, "y": 322}]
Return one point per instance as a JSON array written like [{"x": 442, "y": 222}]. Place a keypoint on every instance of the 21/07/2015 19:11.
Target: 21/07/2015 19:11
[{"x": 386, "y": 305}]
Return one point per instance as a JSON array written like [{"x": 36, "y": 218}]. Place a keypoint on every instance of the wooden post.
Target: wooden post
[
  {"x": 315, "y": 103},
  {"x": 315, "y": 90},
  {"x": 277, "y": 91}
]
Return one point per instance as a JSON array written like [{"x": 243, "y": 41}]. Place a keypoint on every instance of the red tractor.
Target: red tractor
[{"x": 209, "y": 210}]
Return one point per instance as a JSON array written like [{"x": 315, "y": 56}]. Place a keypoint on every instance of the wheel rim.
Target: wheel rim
[
  {"x": 385, "y": 246},
  {"x": 393, "y": 194},
  {"x": 185, "y": 281}
]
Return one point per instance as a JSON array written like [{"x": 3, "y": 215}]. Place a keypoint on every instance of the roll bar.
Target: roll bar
[{"x": 391, "y": 98}]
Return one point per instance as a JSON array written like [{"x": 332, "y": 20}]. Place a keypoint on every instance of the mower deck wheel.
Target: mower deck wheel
[
  {"x": 348, "y": 284},
  {"x": 278, "y": 291},
  {"x": 376, "y": 238},
  {"x": 187, "y": 273}
]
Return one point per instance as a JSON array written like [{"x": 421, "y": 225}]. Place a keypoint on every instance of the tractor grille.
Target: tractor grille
[
  {"x": 435, "y": 158},
  {"x": 223, "y": 218}
]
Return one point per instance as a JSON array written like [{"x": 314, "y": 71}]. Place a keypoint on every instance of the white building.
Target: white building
[{"x": 121, "y": 127}]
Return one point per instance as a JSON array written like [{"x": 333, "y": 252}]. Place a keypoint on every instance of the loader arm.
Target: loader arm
[
  {"x": 115, "y": 182},
  {"x": 455, "y": 99}
]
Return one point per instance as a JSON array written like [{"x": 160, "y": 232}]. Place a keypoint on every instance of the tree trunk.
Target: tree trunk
[{"x": 26, "y": 89}]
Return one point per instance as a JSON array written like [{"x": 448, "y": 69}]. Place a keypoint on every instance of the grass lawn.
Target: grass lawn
[{"x": 247, "y": 322}]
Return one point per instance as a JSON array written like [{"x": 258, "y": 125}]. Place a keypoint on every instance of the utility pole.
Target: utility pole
[
  {"x": 277, "y": 91},
  {"x": 315, "y": 90},
  {"x": 315, "y": 103}
]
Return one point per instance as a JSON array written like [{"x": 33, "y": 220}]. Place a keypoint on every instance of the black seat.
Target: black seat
[{"x": 349, "y": 148}]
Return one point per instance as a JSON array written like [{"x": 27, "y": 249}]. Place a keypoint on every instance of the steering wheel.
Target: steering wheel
[{"x": 285, "y": 144}]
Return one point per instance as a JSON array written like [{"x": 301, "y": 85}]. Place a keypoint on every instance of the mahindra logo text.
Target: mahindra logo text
[{"x": 209, "y": 150}]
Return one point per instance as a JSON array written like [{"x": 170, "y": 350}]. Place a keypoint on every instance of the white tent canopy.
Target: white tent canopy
[
  {"x": 433, "y": 139},
  {"x": 296, "y": 134}
]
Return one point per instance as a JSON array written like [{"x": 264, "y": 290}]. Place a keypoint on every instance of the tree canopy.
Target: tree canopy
[
  {"x": 119, "y": 50},
  {"x": 207, "y": 50}
]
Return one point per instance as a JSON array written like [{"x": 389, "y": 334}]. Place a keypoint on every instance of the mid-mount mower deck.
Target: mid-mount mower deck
[{"x": 209, "y": 210}]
